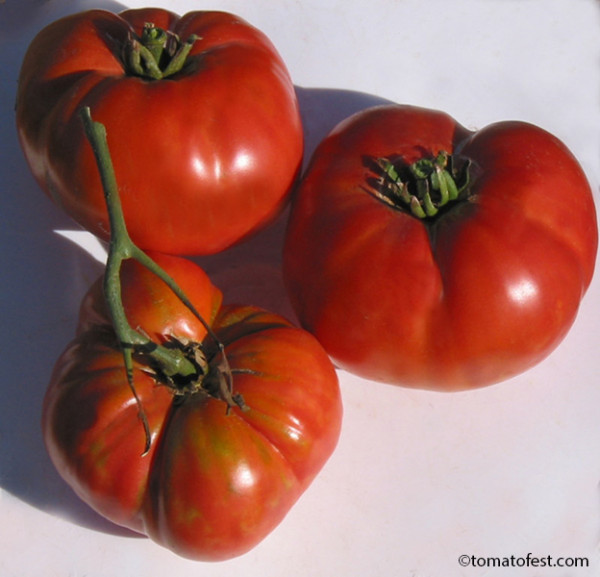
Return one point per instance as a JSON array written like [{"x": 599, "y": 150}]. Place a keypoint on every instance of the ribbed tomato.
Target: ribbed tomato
[
  {"x": 424, "y": 254},
  {"x": 227, "y": 458},
  {"x": 202, "y": 117}
]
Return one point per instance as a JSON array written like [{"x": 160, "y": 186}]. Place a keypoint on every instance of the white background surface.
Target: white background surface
[{"x": 418, "y": 478}]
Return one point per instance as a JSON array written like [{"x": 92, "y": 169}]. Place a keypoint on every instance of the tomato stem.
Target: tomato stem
[
  {"x": 173, "y": 362},
  {"x": 157, "y": 54},
  {"x": 424, "y": 187},
  {"x": 121, "y": 248}
]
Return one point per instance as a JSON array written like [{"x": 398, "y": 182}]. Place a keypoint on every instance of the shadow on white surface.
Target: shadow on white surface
[
  {"x": 43, "y": 278},
  {"x": 46, "y": 271}
]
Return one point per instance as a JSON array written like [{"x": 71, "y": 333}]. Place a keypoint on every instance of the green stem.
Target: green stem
[
  {"x": 214, "y": 377},
  {"x": 155, "y": 40},
  {"x": 172, "y": 361},
  {"x": 157, "y": 54}
]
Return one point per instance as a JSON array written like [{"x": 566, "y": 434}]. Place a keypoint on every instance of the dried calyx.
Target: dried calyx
[{"x": 424, "y": 187}]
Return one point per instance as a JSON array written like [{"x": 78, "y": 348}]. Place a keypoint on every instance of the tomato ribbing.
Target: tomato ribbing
[
  {"x": 178, "y": 97},
  {"x": 409, "y": 265}
]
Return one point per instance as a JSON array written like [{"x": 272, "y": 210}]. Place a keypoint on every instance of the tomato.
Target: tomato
[
  {"x": 219, "y": 473},
  {"x": 424, "y": 254},
  {"x": 204, "y": 156}
]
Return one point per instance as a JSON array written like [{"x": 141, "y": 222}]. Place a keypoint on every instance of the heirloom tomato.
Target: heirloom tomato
[
  {"x": 424, "y": 254},
  {"x": 222, "y": 467},
  {"x": 204, "y": 125}
]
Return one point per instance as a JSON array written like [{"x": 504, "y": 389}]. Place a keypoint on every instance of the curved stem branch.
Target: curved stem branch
[
  {"x": 172, "y": 361},
  {"x": 122, "y": 248}
]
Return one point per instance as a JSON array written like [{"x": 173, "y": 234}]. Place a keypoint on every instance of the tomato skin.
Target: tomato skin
[
  {"x": 202, "y": 158},
  {"x": 481, "y": 294},
  {"x": 213, "y": 484}
]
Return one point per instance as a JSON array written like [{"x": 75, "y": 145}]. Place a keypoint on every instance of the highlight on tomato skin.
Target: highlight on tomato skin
[
  {"x": 426, "y": 255},
  {"x": 202, "y": 162},
  {"x": 223, "y": 466}
]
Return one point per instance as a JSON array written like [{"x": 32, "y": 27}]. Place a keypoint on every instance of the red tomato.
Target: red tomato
[
  {"x": 216, "y": 479},
  {"x": 203, "y": 156},
  {"x": 479, "y": 290}
]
